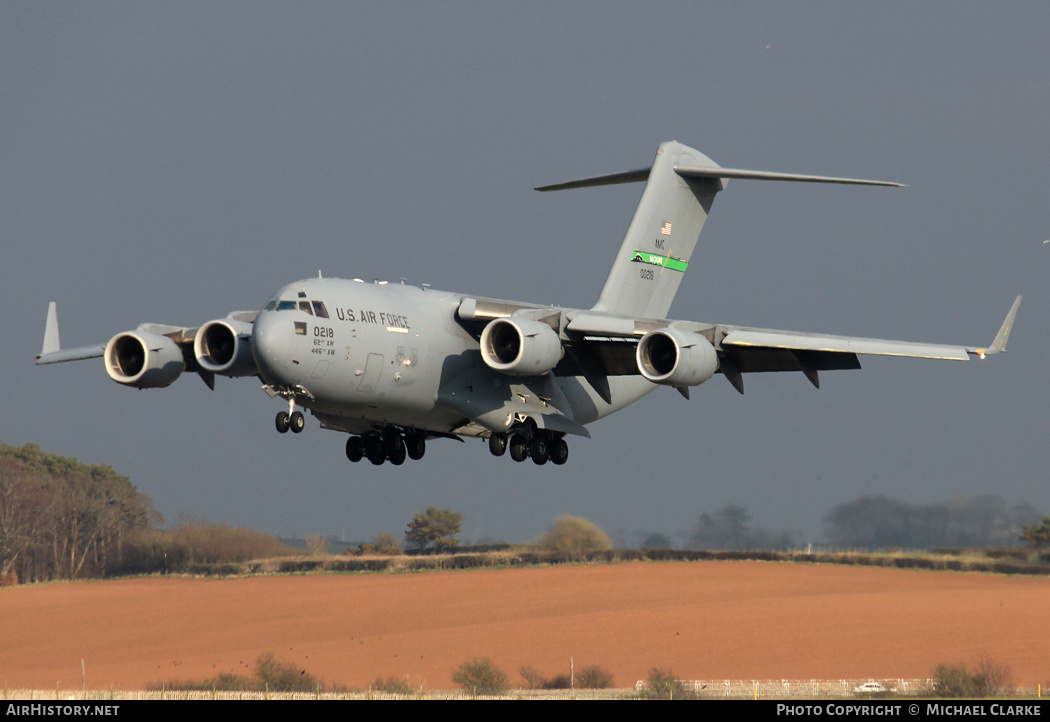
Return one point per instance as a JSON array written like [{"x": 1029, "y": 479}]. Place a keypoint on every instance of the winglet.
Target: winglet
[
  {"x": 999, "y": 344},
  {"x": 51, "y": 342}
]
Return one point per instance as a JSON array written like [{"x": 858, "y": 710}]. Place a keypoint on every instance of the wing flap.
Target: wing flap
[{"x": 755, "y": 360}]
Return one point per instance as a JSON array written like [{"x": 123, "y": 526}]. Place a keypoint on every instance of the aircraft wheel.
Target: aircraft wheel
[
  {"x": 391, "y": 440},
  {"x": 374, "y": 449},
  {"x": 354, "y": 449},
  {"x": 397, "y": 456},
  {"x": 417, "y": 446},
  {"x": 281, "y": 422},
  {"x": 297, "y": 422},
  {"x": 539, "y": 449},
  {"x": 498, "y": 444},
  {"x": 559, "y": 451},
  {"x": 519, "y": 447}
]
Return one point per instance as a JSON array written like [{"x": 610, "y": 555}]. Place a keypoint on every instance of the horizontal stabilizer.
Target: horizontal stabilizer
[
  {"x": 637, "y": 176},
  {"x": 631, "y": 176},
  {"x": 766, "y": 175}
]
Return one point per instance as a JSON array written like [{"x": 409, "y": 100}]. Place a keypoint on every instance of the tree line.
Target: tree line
[
  {"x": 876, "y": 522},
  {"x": 867, "y": 523},
  {"x": 63, "y": 519}
]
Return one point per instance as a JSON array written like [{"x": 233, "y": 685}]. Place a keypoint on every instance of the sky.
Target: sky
[{"x": 173, "y": 162}]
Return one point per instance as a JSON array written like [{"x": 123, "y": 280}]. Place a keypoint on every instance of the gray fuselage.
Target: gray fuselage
[{"x": 367, "y": 355}]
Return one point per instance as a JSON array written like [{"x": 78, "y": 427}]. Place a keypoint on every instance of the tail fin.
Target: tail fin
[
  {"x": 681, "y": 186},
  {"x": 655, "y": 252}
]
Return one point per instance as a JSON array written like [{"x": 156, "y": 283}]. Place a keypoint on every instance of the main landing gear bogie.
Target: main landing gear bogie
[
  {"x": 390, "y": 445},
  {"x": 539, "y": 445}
]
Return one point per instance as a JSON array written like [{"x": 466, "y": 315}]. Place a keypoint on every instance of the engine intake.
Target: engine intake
[
  {"x": 143, "y": 360},
  {"x": 520, "y": 346},
  {"x": 676, "y": 358},
  {"x": 225, "y": 347}
]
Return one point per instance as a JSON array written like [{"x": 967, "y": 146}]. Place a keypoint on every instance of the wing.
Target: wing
[
  {"x": 684, "y": 353},
  {"x": 753, "y": 350},
  {"x": 154, "y": 355}
]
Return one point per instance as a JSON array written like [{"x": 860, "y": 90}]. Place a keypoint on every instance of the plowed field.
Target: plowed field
[{"x": 703, "y": 620}]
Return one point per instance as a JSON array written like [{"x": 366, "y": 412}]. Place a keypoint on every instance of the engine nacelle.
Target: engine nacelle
[
  {"x": 520, "y": 346},
  {"x": 225, "y": 347},
  {"x": 143, "y": 360},
  {"x": 676, "y": 358}
]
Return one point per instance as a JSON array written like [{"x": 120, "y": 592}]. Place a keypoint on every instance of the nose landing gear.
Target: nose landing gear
[
  {"x": 295, "y": 422},
  {"x": 291, "y": 419}
]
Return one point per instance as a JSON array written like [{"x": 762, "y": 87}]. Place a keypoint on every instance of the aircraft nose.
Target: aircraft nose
[{"x": 270, "y": 348}]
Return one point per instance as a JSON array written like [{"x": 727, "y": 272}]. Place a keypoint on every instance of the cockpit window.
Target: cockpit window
[{"x": 313, "y": 308}]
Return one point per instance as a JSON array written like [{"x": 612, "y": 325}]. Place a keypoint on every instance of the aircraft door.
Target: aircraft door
[{"x": 373, "y": 370}]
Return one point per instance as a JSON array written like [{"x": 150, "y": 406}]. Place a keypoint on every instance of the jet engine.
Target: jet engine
[
  {"x": 520, "y": 346},
  {"x": 676, "y": 358},
  {"x": 225, "y": 347},
  {"x": 143, "y": 360}
]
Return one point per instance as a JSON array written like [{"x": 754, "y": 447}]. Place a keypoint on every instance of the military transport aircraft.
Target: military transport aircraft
[{"x": 393, "y": 365}]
